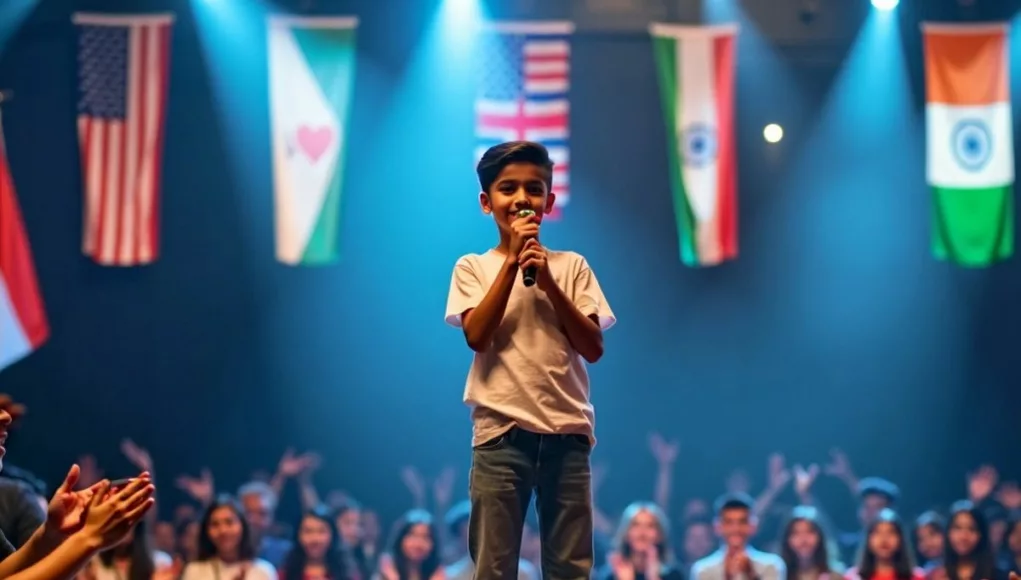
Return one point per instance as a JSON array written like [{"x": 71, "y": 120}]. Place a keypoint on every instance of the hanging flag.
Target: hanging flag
[
  {"x": 523, "y": 96},
  {"x": 696, "y": 81},
  {"x": 970, "y": 142},
  {"x": 123, "y": 73},
  {"x": 311, "y": 81},
  {"x": 23, "y": 325}
]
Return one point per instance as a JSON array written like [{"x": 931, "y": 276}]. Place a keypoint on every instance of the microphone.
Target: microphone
[{"x": 530, "y": 272}]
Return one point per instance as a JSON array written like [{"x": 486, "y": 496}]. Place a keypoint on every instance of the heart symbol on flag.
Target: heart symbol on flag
[{"x": 314, "y": 141}]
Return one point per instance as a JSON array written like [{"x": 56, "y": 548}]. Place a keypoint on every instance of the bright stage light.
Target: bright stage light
[
  {"x": 885, "y": 4},
  {"x": 773, "y": 133}
]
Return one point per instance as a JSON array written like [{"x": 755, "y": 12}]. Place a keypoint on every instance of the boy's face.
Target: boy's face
[{"x": 519, "y": 186}]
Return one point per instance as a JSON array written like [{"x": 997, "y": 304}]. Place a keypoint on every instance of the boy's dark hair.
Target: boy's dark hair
[
  {"x": 879, "y": 486},
  {"x": 731, "y": 501},
  {"x": 499, "y": 156}
]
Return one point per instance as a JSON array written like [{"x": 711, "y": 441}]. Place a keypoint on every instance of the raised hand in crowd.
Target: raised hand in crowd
[
  {"x": 201, "y": 489},
  {"x": 981, "y": 483},
  {"x": 804, "y": 478},
  {"x": 778, "y": 474},
  {"x": 293, "y": 466},
  {"x": 416, "y": 485},
  {"x": 839, "y": 467},
  {"x": 443, "y": 488},
  {"x": 777, "y": 478},
  {"x": 138, "y": 456},
  {"x": 665, "y": 452}
]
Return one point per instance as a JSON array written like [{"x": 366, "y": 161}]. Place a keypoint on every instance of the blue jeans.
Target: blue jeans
[{"x": 504, "y": 472}]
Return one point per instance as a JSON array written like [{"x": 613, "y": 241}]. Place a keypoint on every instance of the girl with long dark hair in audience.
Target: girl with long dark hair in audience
[
  {"x": 132, "y": 559},
  {"x": 1010, "y": 551},
  {"x": 641, "y": 548},
  {"x": 805, "y": 549},
  {"x": 225, "y": 550},
  {"x": 967, "y": 552},
  {"x": 929, "y": 530},
  {"x": 885, "y": 554},
  {"x": 317, "y": 553},
  {"x": 413, "y": 552}
]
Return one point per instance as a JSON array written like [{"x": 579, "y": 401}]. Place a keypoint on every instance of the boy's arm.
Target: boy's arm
[
  {"x": 479, "y": 318},
  {"x": 584, "y": 315},
  {"x": 583, "y": 331}
]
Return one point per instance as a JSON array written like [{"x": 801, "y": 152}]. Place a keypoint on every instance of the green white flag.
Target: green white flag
[{"x": 311, "y": 77}]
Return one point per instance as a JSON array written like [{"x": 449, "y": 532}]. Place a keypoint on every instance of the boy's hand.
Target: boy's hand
[
  {"x": 534, "y": 255},
  {"x": 522, "y": 229}
]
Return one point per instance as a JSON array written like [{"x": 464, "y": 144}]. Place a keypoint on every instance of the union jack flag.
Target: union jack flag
[{"x": 525, "y": 79}]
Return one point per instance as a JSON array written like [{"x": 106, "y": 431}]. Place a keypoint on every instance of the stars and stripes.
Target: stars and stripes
[
  {"x": 123, "y": 76},
  {"x": 525, "y": 82}
]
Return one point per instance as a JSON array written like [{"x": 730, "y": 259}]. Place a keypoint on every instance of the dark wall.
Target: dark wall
[{"x": 834, "y": 328}]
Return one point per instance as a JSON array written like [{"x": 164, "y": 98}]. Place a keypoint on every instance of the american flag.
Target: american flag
[
  {"x": 123, "y": 72},
  {"x": 524, "y": 92}
]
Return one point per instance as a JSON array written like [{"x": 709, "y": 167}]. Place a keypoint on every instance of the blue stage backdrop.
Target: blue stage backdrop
[{"x": 834, "y": 328}]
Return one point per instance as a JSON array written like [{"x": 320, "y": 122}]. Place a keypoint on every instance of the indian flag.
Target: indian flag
[
  {"x": 970, "y": 142},
  {"x": 311, "y": 76},
  {"x": 23, "y": 324},
  {"x": 696, "y": 81}
]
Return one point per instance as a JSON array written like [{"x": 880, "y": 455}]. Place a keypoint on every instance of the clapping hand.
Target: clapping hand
[
  {"x": 64, "y": 514},
  {"x": 112, "y": 514}
]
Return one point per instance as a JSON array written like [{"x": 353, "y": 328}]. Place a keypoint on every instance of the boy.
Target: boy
[
  {"x": 528, "y": 387},
  {"x": 736, "y": 560}
]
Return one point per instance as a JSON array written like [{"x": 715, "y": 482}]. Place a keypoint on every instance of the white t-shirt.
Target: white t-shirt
[
  {"x": 531, "y": 376},
  {"x": 215, "y": 569}
]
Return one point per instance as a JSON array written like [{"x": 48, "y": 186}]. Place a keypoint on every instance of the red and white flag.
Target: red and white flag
[
  {"x": 23, "y": 324},
  {"x": 123, "y": 73}
]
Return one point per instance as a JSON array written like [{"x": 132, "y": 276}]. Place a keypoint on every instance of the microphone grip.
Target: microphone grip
[{"x": 529, "y": 276}]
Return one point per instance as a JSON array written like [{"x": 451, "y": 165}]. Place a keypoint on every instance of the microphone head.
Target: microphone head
[{"x": 526, "y": 212}]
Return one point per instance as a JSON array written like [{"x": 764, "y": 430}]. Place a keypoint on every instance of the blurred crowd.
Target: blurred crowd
[{"x": 95, "y": 529}]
